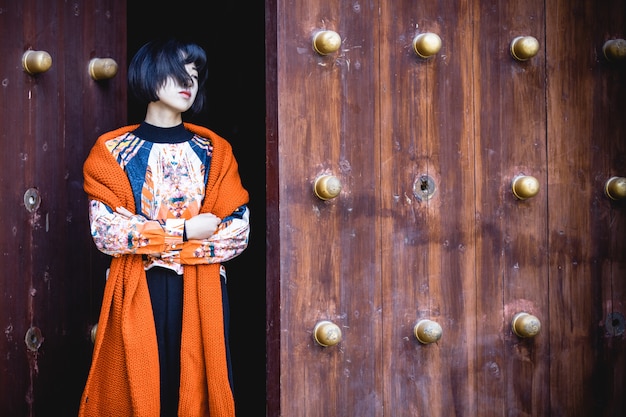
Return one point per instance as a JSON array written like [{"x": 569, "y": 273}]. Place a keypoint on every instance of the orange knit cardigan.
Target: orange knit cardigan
[{"x": 124, "y": 375}]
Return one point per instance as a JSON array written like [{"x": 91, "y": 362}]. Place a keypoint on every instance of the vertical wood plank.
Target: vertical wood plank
[
  {"x": 511, "y": 256},
  {"x": 586, "y": 98},
  {"x": 427, "y": 241},
  {"x": 51, "y": 272},
  {"x": 328, "y": 248},
  {"x": 68, "y": 121},
  {"x": 608, "y": 217},
  {"x": 273, "y": 345},
  {"x": 13, "y": 228}
]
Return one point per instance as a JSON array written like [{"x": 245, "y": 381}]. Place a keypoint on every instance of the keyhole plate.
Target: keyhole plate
[
  {"x": 424, "y": 187},
  {"x": 32, "y": 199},
  {"x": 33, "y": 339},
  {"x": 615, "y": 324}
]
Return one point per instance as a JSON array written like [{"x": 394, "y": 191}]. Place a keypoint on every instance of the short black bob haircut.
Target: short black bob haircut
[{"x": 160, "y": 59}]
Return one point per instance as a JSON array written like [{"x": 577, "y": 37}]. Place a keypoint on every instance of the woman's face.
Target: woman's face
[{"x": 178, "y": 97}]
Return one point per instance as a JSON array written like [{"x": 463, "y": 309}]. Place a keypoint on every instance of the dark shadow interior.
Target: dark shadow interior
[{"x": 235, "y": 42}]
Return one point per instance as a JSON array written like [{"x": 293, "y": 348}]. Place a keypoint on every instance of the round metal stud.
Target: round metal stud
[
  {"x": 525, "y": 186},
  {"x": 326, "y": 42},
  {"x": 614, "y": 50},
  {"x": 525, "y": 325},
  {"x": 427, "y": 331},
  {"x": 524, "y": 47},
  {"x": 35, "y": 62},
  {"x": 327, "y": 187},
  {"x": 102, "y": 68},
  {"x": 327, "y": 333},
  {"x": 427, "y": 45},
  {"x": 615, "y": 188},
  {"x": 92, "y": 333}
]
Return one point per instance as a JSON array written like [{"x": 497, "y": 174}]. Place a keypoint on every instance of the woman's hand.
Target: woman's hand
[{"x": 202, "y": 226}]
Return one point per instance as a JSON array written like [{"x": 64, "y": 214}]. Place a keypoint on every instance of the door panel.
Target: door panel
[
  {"x": 330, "y": 254},
  {"x": 430, "y": 223},
  {"x": 51, "y": 275},
  {"x": 586, "y": 147},
  {"x": 427, "y": 208},
  {"x": 511, "y": 240}
]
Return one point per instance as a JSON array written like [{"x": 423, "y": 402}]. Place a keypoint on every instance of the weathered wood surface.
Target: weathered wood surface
[
  {"x": 51, "y": 277},
  {"x": 329, "y": 250},
  {"x": 470, "y": 119},
  {"x": 511, "y": 240},
  {"x": 586, "y": 99},
  {"x": 427, "y": 242}
]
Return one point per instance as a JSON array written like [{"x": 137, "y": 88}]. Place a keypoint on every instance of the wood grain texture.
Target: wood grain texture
[
  {"x": 427, "y": 243},
  {"x": 51, "y": 273},
  {"x": 586, "y": 129},
  {"x": 470, "y": 120},
  {"x": 511, "y": 240},
  {"x": 329, "y": 253}
]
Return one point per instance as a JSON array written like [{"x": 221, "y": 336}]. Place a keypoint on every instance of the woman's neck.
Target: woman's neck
[{"x": 162, "y": 116}]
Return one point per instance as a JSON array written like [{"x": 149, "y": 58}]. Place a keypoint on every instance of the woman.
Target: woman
[{"x": 167, "y": 203}]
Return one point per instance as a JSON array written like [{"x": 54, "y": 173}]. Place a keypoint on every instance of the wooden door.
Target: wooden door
[
  {"x": 51, "y": 277},
  {"x": 472, "y": 196},
  {"x": 586, "y": 147}
]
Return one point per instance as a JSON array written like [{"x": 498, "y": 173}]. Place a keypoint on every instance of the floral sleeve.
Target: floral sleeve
[{"x": 115, "y": 234}]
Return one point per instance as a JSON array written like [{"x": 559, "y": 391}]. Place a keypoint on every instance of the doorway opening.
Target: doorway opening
[{"x": 236, "y": 111}]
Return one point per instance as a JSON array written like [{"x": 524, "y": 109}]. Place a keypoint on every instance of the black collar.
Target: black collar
[{"x": 151, "y": 133}]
